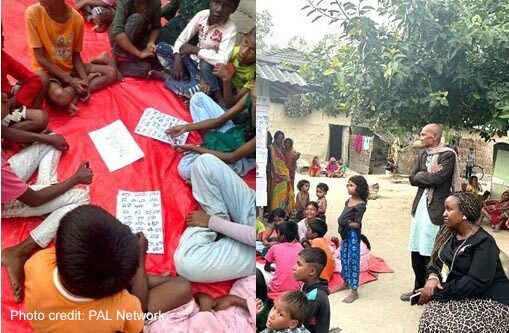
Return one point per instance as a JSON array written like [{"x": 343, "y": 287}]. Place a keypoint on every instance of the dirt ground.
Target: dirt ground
[{"x": 386, "y": 224}]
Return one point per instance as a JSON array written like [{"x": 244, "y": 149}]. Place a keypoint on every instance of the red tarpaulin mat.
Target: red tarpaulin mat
[
  {"x": 376, "y": 265},
  {"x": 156, "y": 171}
]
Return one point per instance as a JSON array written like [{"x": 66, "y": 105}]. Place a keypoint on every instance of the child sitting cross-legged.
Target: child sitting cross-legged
[
  {"x": 288, "y": 313},
  {"x": 284, "y": 255},
  {"x": 310, "y": 264},
  {"x": 317, "y": 228},
  {"x": 183, "y": 63},
  {"x": 95, "y": 260}
]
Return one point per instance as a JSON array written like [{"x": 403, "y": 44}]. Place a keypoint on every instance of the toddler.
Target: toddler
[
  {"x": 321, "y": 192},
  {"x": 302, "y": 198}
]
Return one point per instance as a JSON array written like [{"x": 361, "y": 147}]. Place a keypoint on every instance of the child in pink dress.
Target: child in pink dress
[{"x": 284, "y": 256}]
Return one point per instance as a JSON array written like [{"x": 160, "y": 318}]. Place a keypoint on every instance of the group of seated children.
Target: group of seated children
[
  {"x": 333, "y": 169},
  {"x": 497, "y": 212},
  {"x": 64, "y": 79},
  {"x": 302, "y": 201}
]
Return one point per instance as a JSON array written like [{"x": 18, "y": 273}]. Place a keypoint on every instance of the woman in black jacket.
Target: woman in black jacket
[{"x": 467, "y": 288}]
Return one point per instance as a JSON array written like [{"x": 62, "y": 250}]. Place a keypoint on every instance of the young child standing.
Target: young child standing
[
  {"x": 308, "y": 268},
  {"x": 288, "y": 313},
  {"x": 317, "y": 228},
  {"x": 350, "y": 223},
  {"x": 310, "y": 213},
  {"x": 302, "y": 198},
  {"x": 284, "y": 255},
  {"x": 321, "y": 192}
]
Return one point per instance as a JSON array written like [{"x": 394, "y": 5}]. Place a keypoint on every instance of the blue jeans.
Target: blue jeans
[
  {"x": 206, "y": 72},
  {"x": 203, "y": 108},
  {"x": 186, "y": 88},
  {"x": 220, "y": 192}
]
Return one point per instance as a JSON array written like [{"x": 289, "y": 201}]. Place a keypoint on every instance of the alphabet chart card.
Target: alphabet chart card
[
  {"x": 153, "y": 123},
  {"x": 141, "y": 211},
  {"x": 116, "y": 145}
]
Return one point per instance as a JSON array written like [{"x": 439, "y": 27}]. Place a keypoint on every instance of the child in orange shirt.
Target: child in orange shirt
[
  {"x": 95, "y": 260},
  {"x": 317, "y": 228}
]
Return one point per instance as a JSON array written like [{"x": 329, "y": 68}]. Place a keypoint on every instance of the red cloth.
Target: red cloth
[
  {"x": 31, "y": 84},
  {"x": 156, "y": 171}
]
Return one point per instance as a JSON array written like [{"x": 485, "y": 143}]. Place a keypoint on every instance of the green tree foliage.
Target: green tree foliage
[
  {"x": 444, "y": 61},
  {"x": 263, "y": 29}
]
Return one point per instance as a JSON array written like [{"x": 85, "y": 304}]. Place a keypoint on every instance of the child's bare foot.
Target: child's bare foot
[
  {"x": 93, "y": 75},
  {"x": 205, "y": 301},
  {"x": 99, "y": 28},
  {"x": 103, "y": 59},
  {"x": 14, "y": 261},
  {"x": 344, "y": 286},
  {"x": 72, "y": 110},
  {"x": 158, "y": 75},
  {"x": 351, "y": 297}
]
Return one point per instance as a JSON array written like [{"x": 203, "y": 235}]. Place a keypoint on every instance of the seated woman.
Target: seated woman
[
  {"x": 467, "y": 289},
  {"x": 494, "y": 210},
  {"x": 233, "y": 144},
  {"x": 201, "y": 255},
  {"x": 331, "y": 167}
]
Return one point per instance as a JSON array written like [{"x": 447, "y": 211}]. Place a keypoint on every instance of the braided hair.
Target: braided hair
[{"x": 469, "y": 205}]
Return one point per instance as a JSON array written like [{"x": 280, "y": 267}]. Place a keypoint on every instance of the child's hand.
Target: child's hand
[
  {"x": 185, "y": 147},
  {"x": 58, "y": 141},
  {"x": 177, "y": 71},
  {"x": 176, "y": 130},
  {"x": 224, "y": 302},
  {"x": 205, "y": 301},
  {"x": 151, "y": 46},
  {"x": 142, "y": 242},
  {"x": 354, "y": 225},
  {"x": 145, "y": 54},
  {"x": 221, "y": 72},
  {"x": 189, "y": 49},
  {"x": 198, "y": 219},
  {"x": 259, "y": 306},
  {"x": 84, "y": 174},
  {"x": 79, "y": 86}
]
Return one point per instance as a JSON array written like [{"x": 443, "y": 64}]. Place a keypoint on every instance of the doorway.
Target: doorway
[{"x": 335, "y": 141}]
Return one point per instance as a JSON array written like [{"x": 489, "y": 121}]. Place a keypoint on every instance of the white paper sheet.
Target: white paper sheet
[
  {"x": 153, "y": 123},
  {"x": 116, "y": 145},
  {"x": 141, "y": 211}
]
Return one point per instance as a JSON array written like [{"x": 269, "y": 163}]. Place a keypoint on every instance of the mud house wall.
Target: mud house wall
[
  {"x": 309, "y": 133},
  {"x": 358, "y": 161}
]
